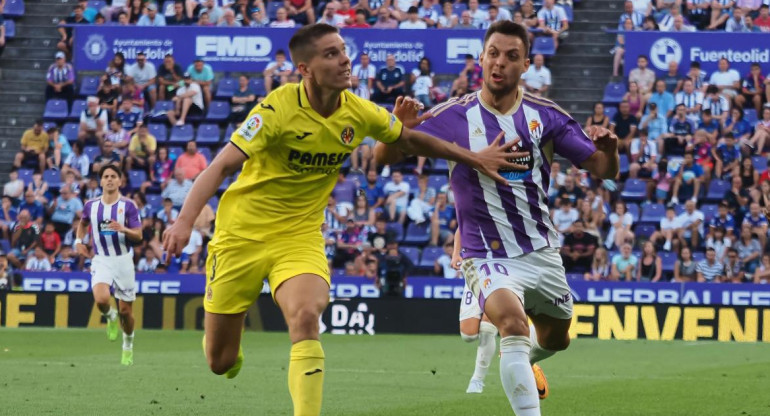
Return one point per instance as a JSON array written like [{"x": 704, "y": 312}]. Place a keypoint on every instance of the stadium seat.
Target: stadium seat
[
  {"x": 437, "y": 181},
  {"x": 10, "y": 29},
  {"x": 634, "y": 210},
  {"x": 159, "y": 131},
  {"x": 760, "y": 163},
  {"x": 5, "y": 245},
  {"x": 26, "y": 175},
  {"x": 568, "y": 11},
  {"x": 162, "y": 107},
  {"x": 678, "y": 208},
  {"x": 441, "y": 167},
  {"x": 89, "y": 86},
  {"x": 225, "y": 184},
  {"x": 417, "y": 235},
  {"x": 70, "y": 131},
  {"x": 136, "y": 178},
  {"x": 207, "y": 134},
  {"x": 652, "y": 213},
  {"x": 412, "y": 181},
  {"x": 623, "y": 164},
  {"x": 258, "y": 86},
  {"x": 459, "y": 8},
  {"x": 206, "y": 152},
  {"x": 97, "y": 4},
  {"x": 644, "y": 231},
  {"x": 543, "y": 45},
  {"x": 218, "y": 111},
  {"x": 78, "y": 106},
  {"x": 634, "y": 190},
  {"x": 397, "y": 230},
  {"x": 181, "y": 134},
  {"x": 226, "y": 88},
  {"x": 55, "y": 110},
  {"x": 13, "y": 8},
  {"x": 429, "y": 256},
  {"x": 668, "y": 259},
  {"x": 174, "y": 152},
  {"x": 698, "y": 256},
  {"x": 272, "y": 7},
  {"x": 344, "y": 192},
  {"x": 709, "y": 211},
  {"x": 614, "y": 92},
  {"x": 53, "y": 177},
  {"x": 214, "y": 202},
  {"x": 717, "y": 190},
  {"x": 610, "y": 111},
  {"x": 750, "y": 115},
  {"x": 155, "y": 201},
  {"x": 92, "y": 152},
  {"x": 48, "y": 125},
  {"x": 413, "y": 253}
]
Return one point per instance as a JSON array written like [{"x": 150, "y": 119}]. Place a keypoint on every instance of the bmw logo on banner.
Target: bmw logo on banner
[{"x": 663, "y": 51}]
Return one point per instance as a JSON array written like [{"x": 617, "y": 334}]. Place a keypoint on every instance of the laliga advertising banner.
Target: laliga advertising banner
[
  {"x": 741, "y": 49},
  {"x": 251, "y": 49}
]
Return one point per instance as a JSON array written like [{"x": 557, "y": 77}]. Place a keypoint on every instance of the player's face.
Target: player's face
[
  {"x": 330, "y": 67},
  {"x": 503, "y": 61},
  {"x": 110, "y": 181}
]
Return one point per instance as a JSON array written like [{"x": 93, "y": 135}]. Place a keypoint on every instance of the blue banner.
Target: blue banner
[
  {"x": 251, "y": 49},
  {"x": 740, "y": 49},
  {"x": 438, "y": 288}
]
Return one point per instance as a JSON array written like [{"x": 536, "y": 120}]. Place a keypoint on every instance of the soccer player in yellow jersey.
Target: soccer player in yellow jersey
[{"x": 290, "y": 149}]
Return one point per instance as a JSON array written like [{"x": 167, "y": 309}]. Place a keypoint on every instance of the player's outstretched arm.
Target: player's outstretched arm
[
  {"x": 206, "y": 184},
  {"x": 605, "y": 162}
]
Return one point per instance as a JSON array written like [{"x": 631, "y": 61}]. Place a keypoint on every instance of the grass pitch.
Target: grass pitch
[{"x": 77, "y": 372}]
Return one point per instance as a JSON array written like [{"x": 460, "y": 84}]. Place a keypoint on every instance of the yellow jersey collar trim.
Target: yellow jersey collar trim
[
  {"x": 304, "y": 102},
  {"x": 513, "y": 109}
]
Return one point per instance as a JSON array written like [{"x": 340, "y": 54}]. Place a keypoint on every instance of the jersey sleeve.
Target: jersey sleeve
[
  {"x": 380, "y": 123},
  {"x": 132, "y": 216},
  {"x": 260, "y": 128},
  {"x": 440, "y": 125},
  {"x": 86, "y": 212},
  {"x": 569, "y": 139}
]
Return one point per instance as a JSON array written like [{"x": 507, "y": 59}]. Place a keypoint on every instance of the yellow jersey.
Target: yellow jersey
[{"x": 294, "y": 157}]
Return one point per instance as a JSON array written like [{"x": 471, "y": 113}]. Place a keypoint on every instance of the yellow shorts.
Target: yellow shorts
[{"x": 236, "y": 268}]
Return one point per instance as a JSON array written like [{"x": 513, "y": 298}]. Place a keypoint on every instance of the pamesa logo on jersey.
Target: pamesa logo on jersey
[
  {"x": 663, "y": 51},
  {"x": 95, "y": 47}
]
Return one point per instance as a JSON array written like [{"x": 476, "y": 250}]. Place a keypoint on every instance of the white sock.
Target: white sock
[
  {"x": 537, "y": 353},
  {"x": 517, "y": 376},
  {"x": 128, "y": 341},
  {"x": 111, "y": 315},
  {"x": 486, "y": 350}
]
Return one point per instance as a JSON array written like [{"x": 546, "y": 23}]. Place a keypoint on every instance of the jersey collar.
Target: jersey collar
[
  {"x": 304, "y": 102},
  {"x": 513, "y": 109}
]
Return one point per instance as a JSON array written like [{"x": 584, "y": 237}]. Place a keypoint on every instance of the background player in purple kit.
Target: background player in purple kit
[
  {"x": 507, "y": 238},
  {"x": 114, "y": 221}
]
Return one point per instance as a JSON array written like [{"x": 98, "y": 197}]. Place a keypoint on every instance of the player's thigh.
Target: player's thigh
[
  {"x": 235, "y": 270},
  {"x": 101, "y": 292},
  {"x": 300, "y": 270},
  {"x": 500, "y": 285},
  {"x": 552, "y": 297},
  {"x": 223, "y": 334},
  {"x": 102, "y": 277},
  {"x": 470, "y": 313},
  {"x": 124, "y": 277}
]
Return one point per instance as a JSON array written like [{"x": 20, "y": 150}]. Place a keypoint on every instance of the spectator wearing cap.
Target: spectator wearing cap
[
  {"x": 188, "y": 101},
  {"x": 537, "y": 79},
  {"x": 277, "y": 72},
  {"x": 282, "y": 19},
  {"x": 60, "y": 79},
  {"x": 360, "y": 21},
  {"x": 143, "y": 74},
  {"x": 242, "y": 101},
  {"x": 330, "y": 16},
  {"x": 169, "y": 77},
  {"x": 77, "y": 18},
  {"x": 228, "y": 19},
  {"x": 384, "y": 21},
  {"x": 448, "y": 18},
  {"x": 390, "y": 82},
  {"x": 191, "y": 162},
  {"x": 93, "y": 122},
  {"x": 179, "y": 18},
  {"x": 152, "y": 17},
  {"x": 413, "y": 20},
  {"x": 34, "y": 145}
]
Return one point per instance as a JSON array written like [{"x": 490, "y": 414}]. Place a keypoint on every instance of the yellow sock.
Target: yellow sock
[{"x": 306, "y": 378}]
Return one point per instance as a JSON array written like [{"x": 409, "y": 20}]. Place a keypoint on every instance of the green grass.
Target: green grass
[{"x": 77, "y": 372}]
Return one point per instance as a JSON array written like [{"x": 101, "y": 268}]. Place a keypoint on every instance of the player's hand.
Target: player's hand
[
  {"x": 495, "y": 158},
  {"x": 82, "y": 250},
  {"x": 116, "y": 226},
  {"x": 407, "y": 110},
  {"x": 604, "y": 140},
  {"x": 175, "y": 238},
  {"x": 456, "y": 261}
]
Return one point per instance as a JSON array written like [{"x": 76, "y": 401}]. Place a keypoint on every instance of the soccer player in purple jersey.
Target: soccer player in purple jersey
[
  {"x": 114, "y": 221},
  {"x": 507, "y": 238}
]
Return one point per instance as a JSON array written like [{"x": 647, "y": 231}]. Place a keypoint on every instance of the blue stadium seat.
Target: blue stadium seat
[
  {"x": 214, "y": 202},
  {"x": 92, "y": 152},
  {"x": 750, "y": 115},
  {"x": 644, "y": 231},
  {"x": 623, "y": 164},
  {"x": 225, "y": 184},
  {"x": 159, "y": 131},
  {"x": 78, "y": 106},
  {"x": 181, "y": 134},
  {"x": 397, "y": 230},
  {"x": 70, "y": 131},
  {"x": 417, "y": 235},
  {"x": 258, "y": 86},
  {"x": 441, "y": 167},
  {"x": 614, "y": 92},
  {"x": 412, "y": 181},
  {"x": 229, "y": 132},
  {"x": 155, "y": 201},
  {"x": 136, "y": 178},
  {"x": 717, "y": 190},
  {"x": 543, "y": 45},
  {"x": 413, "y": 253},
  {"x": 698, "y": 256},
  {"x": 89, "y": 86},
  {"x": 174, "y": 152},
  {"x": 10, "y": 29},
  {"x": 163, "y": 106},
  {"x": 53, "y": 177},
  {"x": 668, "y": 259},
  {"x": 430, "y": 255},
  {"x": 344, "y": 192},
  {"x": 26, "y": 175},
  {"x": 218, "y": 111},
  {"x": 610, "y": 111},
  {"x": 272, "y": 7},
  {"x": 55, "y": 110},
  {"x": 634, "y": 190},
  {"x": 652, "y": 213},
  {"x": 5, "y": 245},
  {"x": 207, "y": 134},
  {"x": 206, "y": 152},
  {"x": 226, "y": 88},
  {"x": 97, "y": 4},
  {"x": 14, "y": 8},
  {"x": 760, "y": 163},
  {"x": 437, "y": 181},
  {"x": 48, "y": 124},
  {"x": 709, "y": 211},
  {"x": 568, "y": 11},
  {"x": 634, "y": 210},
  {"x": 459, "y": 8},
  {"x": 484, "y": 7}
]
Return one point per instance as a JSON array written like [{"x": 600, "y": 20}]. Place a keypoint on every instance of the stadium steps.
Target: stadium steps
[
  {"x": 583, "y": 65},
  {"x": 23, "y": 70}
]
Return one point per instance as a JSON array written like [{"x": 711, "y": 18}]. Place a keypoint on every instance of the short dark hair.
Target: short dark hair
[
  {"x": 39, "y": 121},
  {"x": 706, "y": 112},
  {"x": 712, "y": 89},
  {"x": 492, "y": 7},
  {"x": 643, "y": 56},
  {"x": 302, "y": 43},
  {"x": 509, "y": 28},
  {"x": 280, "y": 52},
  {"x": 695, "y": 64},
  {"x": 107, "y": 167}
]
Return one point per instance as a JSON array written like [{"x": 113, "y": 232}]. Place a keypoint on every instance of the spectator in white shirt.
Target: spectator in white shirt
[
  {"x": 427, "y": 12},
  {"x": 330, "y": 16},
  {"x": 620, "y": 226},
  {"x": 448, "y": 18},
  {"x": 667, "y": 233},
  {"x": 537, "y": 79},
  {"x": 363, "y": 76},
  {"x": 277, "y": 73},
  {"x": 143, "y": 73},
  {"x": 148, "y": 263},
  {"x": 502, "y": 11},
  {"x": 477, "y": 15},
  {"x": 39, "y": 262},
  {"x": 443, "y": 264},
  {"x": 152, "y": 18},
  {"x": 413, "y": 20},
  {"x": 690, "y": 224},
  {"x": 177, "y": 189},
  {"x": 564, "y": 217},
  {"x": 228, "y": 19},
  {"x": 188, "y": 101},
  {"x": 680, "y": 26},
  {"x": 397, "y": 192},
  {"x": 727, "y": 80},
  {"x": 422, "y": 82},
  {"x": 191, "y": 253},
  {"x": 93, "y": 122},
  {"x": 553, "y": 21},
  {"x": 282, "y": 19}
]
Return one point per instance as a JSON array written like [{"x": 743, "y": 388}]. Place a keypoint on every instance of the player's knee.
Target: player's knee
[
  {"x": 513, "y": 326},
  {"x": 557, "y": 343},
  {"x": 305, "y": 319},
  {"x": 124, "y": 310},
  {"x": 469, "y": 338}
]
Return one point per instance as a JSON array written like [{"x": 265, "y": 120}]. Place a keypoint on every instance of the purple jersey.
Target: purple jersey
[
  {"x": 108, "y": 242},
  {"x": 495, "y": 220}
]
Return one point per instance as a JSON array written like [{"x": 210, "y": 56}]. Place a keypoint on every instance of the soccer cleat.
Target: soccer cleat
[
  {"x": 236, "y": 368},
  {"x": 112, "y": 329},
  {"x": 127, "y": 358},
  {"x": 475, "y": 386},
  {"x": 541, "y": 381}
]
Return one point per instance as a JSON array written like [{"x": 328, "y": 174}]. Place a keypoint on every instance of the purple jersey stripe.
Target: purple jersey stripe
[
  {"x": 114, "y": 237},
  {"x": 479, "y": 227},
  {"x": 97, "y": 232}
]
